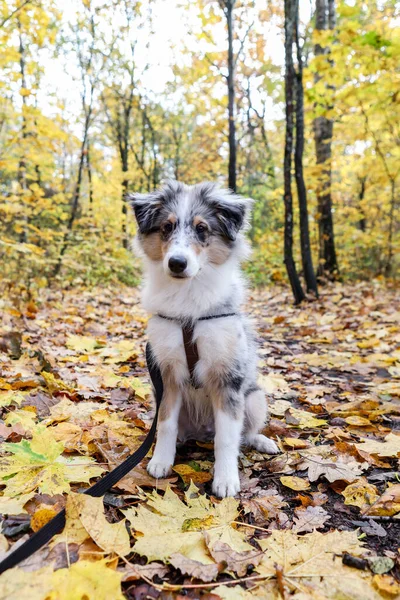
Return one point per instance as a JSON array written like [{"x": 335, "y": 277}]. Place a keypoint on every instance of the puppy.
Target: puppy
[{"x": 192, "y": 243}]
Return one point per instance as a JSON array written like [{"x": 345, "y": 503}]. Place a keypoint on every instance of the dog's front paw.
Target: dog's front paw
[
  {"x": 224, "y": 485},
  {"x": 263, "y": 444},
  {"x": 158, "y": 469}
]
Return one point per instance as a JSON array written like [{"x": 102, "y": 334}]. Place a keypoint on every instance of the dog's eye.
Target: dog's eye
[
  {"x": 167, "y": 228},
  {"x": 201, "y": 229}
]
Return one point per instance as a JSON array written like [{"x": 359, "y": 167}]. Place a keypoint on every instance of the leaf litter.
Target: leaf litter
[{"x": 75, "y": 401}]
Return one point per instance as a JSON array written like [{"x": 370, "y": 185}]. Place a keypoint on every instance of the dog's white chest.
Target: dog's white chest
[{"x": 219, "y": 342}]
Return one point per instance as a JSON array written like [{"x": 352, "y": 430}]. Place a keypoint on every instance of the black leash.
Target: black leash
[{"x": 44, "y": 535}]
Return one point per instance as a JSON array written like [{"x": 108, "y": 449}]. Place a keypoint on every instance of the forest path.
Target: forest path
[{"x": 75, "y": 400}]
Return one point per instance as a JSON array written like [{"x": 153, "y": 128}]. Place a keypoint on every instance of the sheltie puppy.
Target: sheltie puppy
[{"x": 192, "y": 241}]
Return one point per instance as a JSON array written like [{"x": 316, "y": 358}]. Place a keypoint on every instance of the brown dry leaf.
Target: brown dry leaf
[
  {"x": 134, "y": 572},
  {"x": 316, "y": 499},
  {"x": 310, "y": 518},
  {"x": 72, "y": 436},
  {"x": 295, "y": 483},
  {"x": 139, "y": 478},
  {"x": 266, "y": 505},
  {"x": 238, "y": 562},
  {"x": 332, "y": 469},
  {"x": 194, "y": 568}
]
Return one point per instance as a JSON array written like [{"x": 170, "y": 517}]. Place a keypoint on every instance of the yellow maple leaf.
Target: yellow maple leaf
[
  {"x": 111, "y": 537},
  {"x": 83, "y": 344},
  {"x": 173, "y": 526},
  {"x": 313, "y": 560},
  {"x": 360, "y": 493},
  {"x": 39, "y": 464},
  {"x": 84, "y": 579}
]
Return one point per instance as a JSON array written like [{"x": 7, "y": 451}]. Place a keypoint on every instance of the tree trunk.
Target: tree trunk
[
  {"x": 308, "y": 269},
  {"x": 362, "y": 223},
  {"x": 125, "y": 184},
  {"x": 389, "y": 260},
  {"x": 22, "y": 161},
  {"x": 323, "y": 132},
  {"x": 287, "y": 165},
  {"x": 231, "y": 98},
  {"x": 76, "y": 197},
  {"x": 89, "y": 174}
]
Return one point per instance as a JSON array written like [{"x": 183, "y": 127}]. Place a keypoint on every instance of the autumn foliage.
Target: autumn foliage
[{"x": 83, "y": 121}]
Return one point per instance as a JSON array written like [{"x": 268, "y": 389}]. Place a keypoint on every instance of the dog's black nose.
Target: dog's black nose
[{"x": 177, "y": 264}]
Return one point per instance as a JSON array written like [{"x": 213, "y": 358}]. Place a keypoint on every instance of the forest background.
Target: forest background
[{"x": 98, "y": 98}]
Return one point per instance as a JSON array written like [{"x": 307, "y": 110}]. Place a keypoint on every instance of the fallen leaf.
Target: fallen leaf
[
  {"x": 332, "y": 469},
  {"x": 238, "y": 562},
  {"x": 310, "y": 518},
  {"x": 303, "y": 419},
  {"x": 358, "y": 421},
  {"x": 388, "y": 504},
  {"x": 82, "y": 344},
  {"x": 313, "y": 562},
  {"x": 14, "y": 506},
  {"x": 188, "y": 474},
  {"x": 296, "y": 443},
  {"x": 360, "y": 493},
  {"x": 194, "y": 568},
  {"x": 111, "y": 537},
  {"x": 267, "y": 504},
  {"x": 133, "y": 572},
  {"x": 86, "y": 580},
  {"x": 294, "y": 483},
  {"x": 173, "y": 526},
  {"x": 390, "y": 447},
  {"x": 38, "y": 464},
  {"x": 380, "y": 564},
  {"x": 387, "y": 585},
  {"x": 11, "y": 397},
  {"x": 273, "y": 384}
]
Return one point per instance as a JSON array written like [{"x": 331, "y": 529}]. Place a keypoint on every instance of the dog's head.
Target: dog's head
[{"x": 188, "y": 227}]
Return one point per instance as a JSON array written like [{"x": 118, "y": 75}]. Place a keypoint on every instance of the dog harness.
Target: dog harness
[{"x": 190, "y": 346}]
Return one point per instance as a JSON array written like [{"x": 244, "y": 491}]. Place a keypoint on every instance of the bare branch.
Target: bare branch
[{"x": 14, "y": 12}]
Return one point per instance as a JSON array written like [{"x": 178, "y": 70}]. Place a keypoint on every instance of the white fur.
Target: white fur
[
  {"x": 224, "y": 344},
  {"x": 228, "y": 433},
  {"x": 192, "y": 297}
]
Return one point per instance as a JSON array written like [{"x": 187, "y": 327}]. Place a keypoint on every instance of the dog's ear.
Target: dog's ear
[
  {"x": 146, "y": 208},
  {"x": 233, "y": 213}
]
